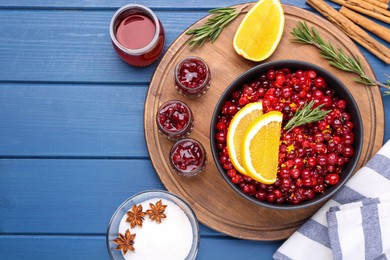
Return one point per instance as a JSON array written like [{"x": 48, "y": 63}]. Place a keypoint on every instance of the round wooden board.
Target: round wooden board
[{"x": 214, "y": 202}]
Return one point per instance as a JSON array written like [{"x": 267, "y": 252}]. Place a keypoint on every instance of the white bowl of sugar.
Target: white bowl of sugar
[{"x": 153, "y": 224}]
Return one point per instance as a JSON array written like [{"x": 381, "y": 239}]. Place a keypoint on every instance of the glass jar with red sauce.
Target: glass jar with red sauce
[
  {"x": 188, "y": 157},
  {"x": 175, "y": 120},
  {"x": 192, "y": 77},
  {"x": 137, "y": 35}
]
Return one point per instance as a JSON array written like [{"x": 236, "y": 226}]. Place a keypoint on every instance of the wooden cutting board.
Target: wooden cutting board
[{"x": 214, "y": 202}]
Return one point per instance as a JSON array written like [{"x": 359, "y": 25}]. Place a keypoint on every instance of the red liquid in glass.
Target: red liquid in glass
[{"x": 135, "y": 31}]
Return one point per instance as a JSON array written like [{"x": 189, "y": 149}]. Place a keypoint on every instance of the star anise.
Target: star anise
[
  {"x": 125, "y": 242},
  {"x": 156, "y": 212},
  {"x": 135, "y": 216}
]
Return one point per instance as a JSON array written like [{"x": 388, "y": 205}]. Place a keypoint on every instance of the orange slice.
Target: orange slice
[
  {"x": 236, "y": 131},
  {"x": 260, "y": 149},
  {"x": 261, "y": 30}
]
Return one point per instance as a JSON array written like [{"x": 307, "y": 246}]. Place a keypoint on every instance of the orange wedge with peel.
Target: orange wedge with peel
[
  {"x": 236, "y": 131},
  {"x": 260, "y": 31},
  {"x": 260, "y": 148}
]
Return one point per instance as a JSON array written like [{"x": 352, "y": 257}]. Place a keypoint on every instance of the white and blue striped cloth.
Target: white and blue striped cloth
[{"x": 354, "y": 224}]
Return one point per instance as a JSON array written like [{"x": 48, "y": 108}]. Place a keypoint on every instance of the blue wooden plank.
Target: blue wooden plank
[
  {"x": 204, "y": 4},
  {"x": 70, "y": 196},
  {"x": 93, "y": 247},
  {"x": 53, "y": 247},
  {"x": 92, "y": 121},
  {"x": 72, "y": 120},
  {"x": 74, "y": 46}
]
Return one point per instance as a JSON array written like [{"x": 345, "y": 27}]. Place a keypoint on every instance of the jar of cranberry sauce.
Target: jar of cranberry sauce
[
  {"x": 175, "y": 120},
  {"x": 188, "y": 157},
  {"x": 192, "y": 77}
]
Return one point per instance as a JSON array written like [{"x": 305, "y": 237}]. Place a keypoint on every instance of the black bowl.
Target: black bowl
[{"x": 340, "y": 90}]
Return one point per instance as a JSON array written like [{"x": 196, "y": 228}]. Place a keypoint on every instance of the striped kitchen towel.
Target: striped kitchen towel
[{"x": 354, "y": 224}]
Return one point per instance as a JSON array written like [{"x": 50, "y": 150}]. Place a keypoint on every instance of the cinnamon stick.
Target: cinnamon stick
[
  {"x": 366, "y": 23},
  {"x": 384, "y": 1},
  {"x": 352, "y": 30},
  {"x": 366, "y": 8},
  {"x": 377, "y": 3}
]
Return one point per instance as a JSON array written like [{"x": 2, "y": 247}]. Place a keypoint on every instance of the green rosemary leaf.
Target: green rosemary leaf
[
  {"x": 362, "y": 81},
  {"x": 221, "y": 10},
  {"x": 339, "y": 66},
  {"x": 386, "y": 93},
  {"x": 305, "y": 115},
  {"x": 214, "y": 25},
  {"x": 337, "y": 58}
]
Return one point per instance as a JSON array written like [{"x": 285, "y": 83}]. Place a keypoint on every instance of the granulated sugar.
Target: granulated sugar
[{"x": 169, "y": 240}]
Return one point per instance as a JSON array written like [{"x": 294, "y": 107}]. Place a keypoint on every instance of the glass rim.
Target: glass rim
[
  {"x": 188, "y": 125},
  {"x": 146, "y": 10},
  {"x": 204, "y": 157},
  {"x": 206, "y": 80}
]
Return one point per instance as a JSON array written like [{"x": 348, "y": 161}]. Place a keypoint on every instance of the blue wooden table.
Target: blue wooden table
[{"x": 72, "y": 144}]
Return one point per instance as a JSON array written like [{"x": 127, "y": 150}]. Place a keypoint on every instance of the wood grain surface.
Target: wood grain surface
[{"x": 215, "y": 203}]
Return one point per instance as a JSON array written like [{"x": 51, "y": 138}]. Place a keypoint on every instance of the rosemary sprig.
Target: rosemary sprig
[
  {"x": 214, "y": 25},
  {"x": 306, "y": 115},
  {"x": 387, "y": 93},
  {"x": 338, "y": 58}
]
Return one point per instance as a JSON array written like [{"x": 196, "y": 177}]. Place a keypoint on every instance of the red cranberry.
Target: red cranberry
[
  {"x": 237, "y": 179},
  {"x": 319, "y": 82},
  {"x": 348, "y": 139},
  {"x": 295, "y": 173},
  {"x": 332, "y": 178},
  {"x": 280, "y": 79},
  {"x": 271, "y": 74},
  {"x": 348, "y": 151},
  {"x": 311, "y": 74},
  {"x": 271, "y": 197},
  {"x": 231, "y": 173},
  {"x": 332, "y": 158},
  {"x": 287, "y": 92},
  {"x": 278, "y": 194},
  {"x": 244, "y": 99},
  {"x": 299, "y": 182},
  {"x": 319, "y": 188},
  {"x": 319, "y": 148},
  {"x": 305, "y": 173},
  {"x": 341, "y": 104},
  {"x": 261, "y": 195},
  {"x": 284, "y": 173},
  {"x": 221, "y": 137},
  {"x": 312, "y": 161},
  {"x": 309, "y": 194},
  {"x": 247, "y": 189}
]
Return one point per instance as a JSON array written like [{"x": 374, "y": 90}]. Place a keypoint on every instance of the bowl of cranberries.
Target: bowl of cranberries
[{"x": 315, "y": 159}]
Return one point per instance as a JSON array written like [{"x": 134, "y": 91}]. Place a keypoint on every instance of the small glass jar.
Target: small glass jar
[
  {"x": 188, "y": 157},
  {"x": 192, "y": 77},
  {"x": 174, "y": 120},
  {"x": 137, "y": 35}
]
